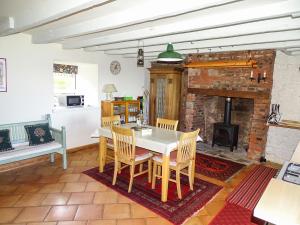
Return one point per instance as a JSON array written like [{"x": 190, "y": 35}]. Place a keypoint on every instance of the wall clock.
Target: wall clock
[{"x": 115, "y": 67}]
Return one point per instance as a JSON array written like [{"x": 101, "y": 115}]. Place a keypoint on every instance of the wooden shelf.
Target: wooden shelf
[
  {"x": 284, "y": 126},
  {"x": 108, "y": 109}
]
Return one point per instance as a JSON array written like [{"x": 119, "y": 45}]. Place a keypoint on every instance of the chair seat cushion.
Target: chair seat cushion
[
  {"x": 173, "y": 157},
  {"x": 142, "y": 153}
]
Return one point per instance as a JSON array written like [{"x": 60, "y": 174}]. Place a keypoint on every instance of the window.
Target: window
[{"x": 64, "y": 78}]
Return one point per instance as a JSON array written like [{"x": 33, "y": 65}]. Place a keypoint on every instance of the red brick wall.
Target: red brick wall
[{"x": 232, "y": 79}]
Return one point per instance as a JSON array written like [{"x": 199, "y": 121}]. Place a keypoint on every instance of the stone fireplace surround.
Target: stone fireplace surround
[{"x": 200, "y": 86}]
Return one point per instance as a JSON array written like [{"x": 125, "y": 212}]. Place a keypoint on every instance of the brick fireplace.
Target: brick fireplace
[{"x": 204, "y": 91}]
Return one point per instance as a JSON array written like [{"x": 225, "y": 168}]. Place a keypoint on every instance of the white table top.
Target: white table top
[
  {"x": 280, "y": 203},
  {"x": 296, "y": 154},
  {"x": 160, "y": 140}
]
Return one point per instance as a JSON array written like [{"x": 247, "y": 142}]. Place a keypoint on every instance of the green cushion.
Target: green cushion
[
  {"x": 38, "y": 134},
  {"x": 5, "y": 144}
]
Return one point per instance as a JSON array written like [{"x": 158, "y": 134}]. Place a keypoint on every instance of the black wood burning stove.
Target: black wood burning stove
[{"x": 226, "y": 134}]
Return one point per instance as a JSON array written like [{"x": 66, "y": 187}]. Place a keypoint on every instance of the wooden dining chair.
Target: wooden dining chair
[
  {"x": 183, "y": 157},
  {"x": 166, "y": 124},
  {"x": 109, "y": 121},
  {"x": 127, "y": 153}
]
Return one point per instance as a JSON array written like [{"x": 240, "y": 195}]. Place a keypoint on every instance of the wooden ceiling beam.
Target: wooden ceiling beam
[
  {"x": 31, "y": 13},
  {"x": 227, "y": 15},
  {"x": 124, "y": 13},
  {"x": 251, "y": 28},
  {"x": 271, "y": 45},
  {"x": 219, "y": 42}
]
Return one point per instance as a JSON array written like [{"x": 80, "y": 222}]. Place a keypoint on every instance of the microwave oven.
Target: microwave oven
[{"x": 71, "y": 100}]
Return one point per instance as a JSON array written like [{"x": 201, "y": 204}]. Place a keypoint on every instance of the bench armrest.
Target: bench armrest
[{"x": 59, "y": 135}]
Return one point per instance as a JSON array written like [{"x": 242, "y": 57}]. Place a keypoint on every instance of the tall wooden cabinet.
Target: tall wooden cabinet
[
  {"x": 128, "y": 110},
  {"x": 165, "y": 92}
]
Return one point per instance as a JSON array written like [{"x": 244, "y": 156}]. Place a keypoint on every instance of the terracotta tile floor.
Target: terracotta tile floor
[{"x": 45, "y": 194}]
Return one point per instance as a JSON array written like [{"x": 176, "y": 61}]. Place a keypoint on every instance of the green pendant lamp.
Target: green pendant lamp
[{"x": 170, "y": 55}]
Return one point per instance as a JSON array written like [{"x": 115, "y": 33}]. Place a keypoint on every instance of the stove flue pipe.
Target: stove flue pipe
[{"x": 227, "y": 112}]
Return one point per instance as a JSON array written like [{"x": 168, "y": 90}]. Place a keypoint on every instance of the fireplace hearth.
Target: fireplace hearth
[{"x": 226, "y": 134}]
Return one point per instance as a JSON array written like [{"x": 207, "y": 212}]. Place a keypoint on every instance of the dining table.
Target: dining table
[{"x": 155, "y": 139}]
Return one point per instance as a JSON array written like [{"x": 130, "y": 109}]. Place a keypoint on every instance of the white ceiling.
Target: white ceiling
[{"x": 119, "y": 27}]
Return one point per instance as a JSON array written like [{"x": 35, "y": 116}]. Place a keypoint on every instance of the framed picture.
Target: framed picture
[{"x": 3, "y": 75}]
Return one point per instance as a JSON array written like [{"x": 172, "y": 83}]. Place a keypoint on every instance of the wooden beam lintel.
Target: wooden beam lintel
[
  {"x": 228, "y": 63},
  {"x": 228, "y": 93}
]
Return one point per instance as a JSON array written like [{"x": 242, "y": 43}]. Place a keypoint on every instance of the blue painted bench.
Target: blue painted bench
[{"x": 22, "y": 150}]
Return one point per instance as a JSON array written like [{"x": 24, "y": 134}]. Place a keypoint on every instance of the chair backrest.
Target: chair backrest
[
  {"x": 124, "y": 144},
  {"x": 109, "y": 121},
  {"x": 187, "y": 146},
  {"x": 167, "y": 124}
]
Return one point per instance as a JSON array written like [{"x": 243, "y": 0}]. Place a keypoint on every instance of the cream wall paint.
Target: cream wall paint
[
  {"x": 282, "y": 142},
  {"x": 30, "y": 82}
]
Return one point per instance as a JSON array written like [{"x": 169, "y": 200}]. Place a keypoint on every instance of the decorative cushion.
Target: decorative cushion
[
  {"x": 38, "y": 134},
  {"x": 5, "y": 144}
]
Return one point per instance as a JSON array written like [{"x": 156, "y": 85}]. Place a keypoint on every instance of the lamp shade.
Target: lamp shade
[
  {"x": 109, "y": 88},
  {"x": 170, "y": 55}
]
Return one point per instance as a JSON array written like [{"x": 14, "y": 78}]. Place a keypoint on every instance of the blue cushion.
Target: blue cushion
[{"x": 5, "y": 144}]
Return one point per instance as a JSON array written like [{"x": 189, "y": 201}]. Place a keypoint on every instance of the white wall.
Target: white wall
[
  {"x": 282, "y": 142},
  {"x": 129, "y": 82},
  {"x": 30, "y": 80}
]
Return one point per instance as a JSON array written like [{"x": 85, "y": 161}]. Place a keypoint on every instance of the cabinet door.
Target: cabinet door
[
  {"x": 161, "y": 84},
  {"x": 152, "y": 106}
]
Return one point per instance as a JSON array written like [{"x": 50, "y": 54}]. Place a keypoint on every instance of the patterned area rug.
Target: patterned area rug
[
  {"x": 220, "y": 169},
  {"x": 174, "y": 210}
]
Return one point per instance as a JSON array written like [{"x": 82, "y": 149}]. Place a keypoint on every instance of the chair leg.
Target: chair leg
[
  {"x": 178, "y": 183},
  {"x": 141, "y": 167},
  {"x": 131, "y": 177},
  {"x": 154, "y": 175},
  {"x": 149, "y": 170},
  {"x": 115, "y": 172},
  {"x": 191, "y": 178},
  {"x": 64, "y": 159},
  {"x": 119, "y": 167},
  {"x": 52, "y": 157},
  {"x": 159, "y": 170}
]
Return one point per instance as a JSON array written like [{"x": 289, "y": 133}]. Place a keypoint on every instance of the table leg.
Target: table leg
[
  {"x": 102, "y": 153},
  {"x": 165, "y": 178}
]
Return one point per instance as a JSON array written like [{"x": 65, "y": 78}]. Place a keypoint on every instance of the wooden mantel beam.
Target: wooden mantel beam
[
  {"x": 228, "y": 93},
  {"x": 228, "y": 63}
]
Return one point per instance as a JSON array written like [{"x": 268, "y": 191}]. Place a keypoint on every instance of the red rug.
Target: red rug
[
  {"x": 233, "y": 215},
  {"x": 174, "y": 210},
  {"x": 242, "y": 201},
  {"x": 220, "y": 169},
  {"x": 249, "y": 191}
]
